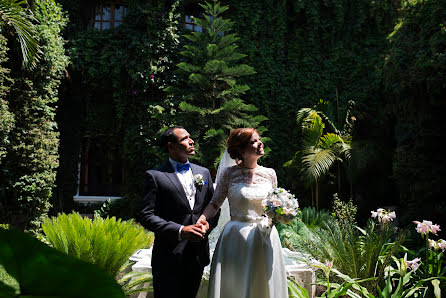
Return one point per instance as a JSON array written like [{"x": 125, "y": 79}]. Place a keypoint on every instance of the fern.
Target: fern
[
  {"x": 358, "y": 255},
  {"x": 107, "y": 243}
]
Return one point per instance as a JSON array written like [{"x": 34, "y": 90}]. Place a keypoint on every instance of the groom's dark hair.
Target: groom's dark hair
[{"x": 168, "y": 136}]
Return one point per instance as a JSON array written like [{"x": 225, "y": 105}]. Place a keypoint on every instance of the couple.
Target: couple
[{"x": 181, "y": 208}]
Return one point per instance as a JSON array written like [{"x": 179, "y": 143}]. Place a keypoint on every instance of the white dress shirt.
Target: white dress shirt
[{"x": 187, "y": 181}]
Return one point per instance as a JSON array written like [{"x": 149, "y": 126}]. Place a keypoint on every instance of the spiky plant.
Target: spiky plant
[
  {"x": 135, "y": 282},
  {"x": 313, "y": 218},
  {"x": 107, "y": 243},
  {"x": 358, "y": 253}
]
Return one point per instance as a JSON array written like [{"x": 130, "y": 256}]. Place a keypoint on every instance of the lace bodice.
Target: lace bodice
[{"x": 245, "y": 190}]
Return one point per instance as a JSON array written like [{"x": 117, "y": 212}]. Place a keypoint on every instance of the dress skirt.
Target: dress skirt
[{"x": 248, "y": 262}]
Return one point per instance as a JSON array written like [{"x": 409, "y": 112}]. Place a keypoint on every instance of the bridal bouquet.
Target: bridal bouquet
[{"x": 281, "y": 206}]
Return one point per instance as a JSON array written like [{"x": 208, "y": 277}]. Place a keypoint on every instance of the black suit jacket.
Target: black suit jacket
[{"x": 165, "y": 208}]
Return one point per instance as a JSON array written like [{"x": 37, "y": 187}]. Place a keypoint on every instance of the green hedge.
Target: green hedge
[{"x": 28, "y": 171}]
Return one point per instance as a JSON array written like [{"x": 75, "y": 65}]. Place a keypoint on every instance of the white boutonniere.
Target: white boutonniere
[{"x": 199, "y": 182}]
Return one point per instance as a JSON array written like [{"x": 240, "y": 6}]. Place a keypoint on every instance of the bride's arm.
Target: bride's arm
[
  {"x": 218, "y": 198},
  {"x": 208, "y": 212}
]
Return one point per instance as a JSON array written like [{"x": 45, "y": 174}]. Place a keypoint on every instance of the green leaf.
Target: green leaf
[
  {"x": 7, "y": 291},
  {"x": 40, "y": 269},
  {"x": 21, "y": 19}
]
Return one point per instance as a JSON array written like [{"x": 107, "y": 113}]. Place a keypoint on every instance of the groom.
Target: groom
[{"x": 173, "y": 198}]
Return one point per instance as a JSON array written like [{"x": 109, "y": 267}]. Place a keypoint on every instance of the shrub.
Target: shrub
[
  {"x": 107, "y": 243},
  {"x": 344, "y": 211},
  {"x": 313, "y": 218}
]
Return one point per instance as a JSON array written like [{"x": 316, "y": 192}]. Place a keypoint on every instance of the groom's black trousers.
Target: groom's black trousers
[{"x": 178, "y": 279}]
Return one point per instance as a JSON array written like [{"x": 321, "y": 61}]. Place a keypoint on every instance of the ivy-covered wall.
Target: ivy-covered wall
[
  {"x": 413, "y": 78},
  {"x": 386, "y": 56},
  {"x": 307, "y": 50},
  {"x": 117, "y": 77}
]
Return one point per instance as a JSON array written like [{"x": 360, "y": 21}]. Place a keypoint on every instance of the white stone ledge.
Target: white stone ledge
[{"x": 93, "y": 199}]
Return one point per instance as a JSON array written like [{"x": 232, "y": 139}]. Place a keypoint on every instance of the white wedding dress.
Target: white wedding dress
[{"x": 247, "y": 260}]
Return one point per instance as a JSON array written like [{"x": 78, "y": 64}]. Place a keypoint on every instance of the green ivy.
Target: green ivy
[
  {"x": 414, "y": 78},
  {"x": 28, "y": 173},
  {"x": 6, "y": 117},
  {"x": 122, "y": 73},
  {"x": 386, "y": 56}
]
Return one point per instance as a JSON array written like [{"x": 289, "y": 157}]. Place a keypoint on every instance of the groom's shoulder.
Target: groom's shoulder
[
  {"x": 161, "y": 168},
  {"x": 203, "y": 169}
]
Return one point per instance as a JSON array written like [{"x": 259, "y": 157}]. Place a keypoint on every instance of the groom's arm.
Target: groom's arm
[{"x": 149, "y": 219}]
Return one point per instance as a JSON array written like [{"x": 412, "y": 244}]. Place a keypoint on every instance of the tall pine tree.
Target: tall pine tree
[{"x": 210, "y": 103}]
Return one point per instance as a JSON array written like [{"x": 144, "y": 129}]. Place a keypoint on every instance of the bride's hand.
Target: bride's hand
[{"x": 204, "y": 224}]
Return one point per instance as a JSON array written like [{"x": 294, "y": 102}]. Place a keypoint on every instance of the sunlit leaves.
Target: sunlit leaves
[{"x": 15, "y": 13}]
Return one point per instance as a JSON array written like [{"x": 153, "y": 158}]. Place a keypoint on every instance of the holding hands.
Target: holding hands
[
  {"x": 196, "y": 232},
  {"x": 203, "y": 223}
]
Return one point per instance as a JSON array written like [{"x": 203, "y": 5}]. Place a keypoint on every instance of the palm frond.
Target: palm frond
[
  {"x": 13, "y": 13},
  {"x": 317, "y": 162},
  {"x": 312, "y": 129}
]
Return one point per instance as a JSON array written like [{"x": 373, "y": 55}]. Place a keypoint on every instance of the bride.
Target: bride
[{"x": 248, "y": 260}]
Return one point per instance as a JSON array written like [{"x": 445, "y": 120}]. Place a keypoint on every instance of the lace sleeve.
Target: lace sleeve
[
  {"x": 221, "y": 190},
  {"x": 273, "y": 178}
]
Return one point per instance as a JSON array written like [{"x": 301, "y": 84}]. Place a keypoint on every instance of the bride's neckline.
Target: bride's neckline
[{"x": 243, "y": 169}]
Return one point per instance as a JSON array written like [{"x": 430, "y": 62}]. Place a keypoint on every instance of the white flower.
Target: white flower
[
  {"x": 426, "y": 226},
  {"x": 280, "y": 205},
  {"x": 199, "y": 180},
  {"x": 383, "y": 215},
  {"x": 441, "y": 244},
  {"x": 414, "y": 264}
]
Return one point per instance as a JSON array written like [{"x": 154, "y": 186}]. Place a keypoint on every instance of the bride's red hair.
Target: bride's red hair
[{"x": 238, "y": 140}]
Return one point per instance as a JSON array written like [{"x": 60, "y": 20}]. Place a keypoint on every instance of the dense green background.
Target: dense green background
[{"x": 389, "y": 57}]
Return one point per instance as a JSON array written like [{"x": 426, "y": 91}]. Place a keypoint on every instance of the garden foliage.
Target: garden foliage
[
  {"x": 369, "y": 261},
  {"x": 30, "y": 152},
  {"x": 42, "y": 271},
  {"x": 108, "y": 243},
  {"x": 211, "y": 99},
  {"x": 301, "y": 52},
  {"x": 118, "y": 75}
]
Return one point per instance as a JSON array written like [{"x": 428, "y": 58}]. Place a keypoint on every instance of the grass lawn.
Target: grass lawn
[{"x": 8, "y": 279}]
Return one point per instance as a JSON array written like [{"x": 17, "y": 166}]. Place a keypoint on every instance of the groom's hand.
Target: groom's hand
[{"x": 192, "y": 233}]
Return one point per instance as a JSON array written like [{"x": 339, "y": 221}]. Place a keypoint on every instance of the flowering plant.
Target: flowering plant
[
  {"x": 433, "y": 265},
  {"x": 280, "y": 205},
  {"x": 426, "y": 227},
  {"x": 437, "y": 245},
  {"x": 383, "y": 215}
]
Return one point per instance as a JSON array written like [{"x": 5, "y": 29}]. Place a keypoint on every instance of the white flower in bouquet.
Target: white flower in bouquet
[{"x": 281, "y": 206}]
